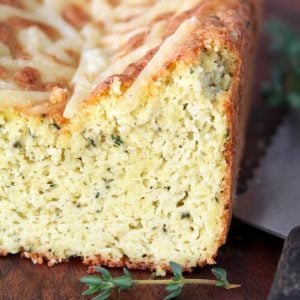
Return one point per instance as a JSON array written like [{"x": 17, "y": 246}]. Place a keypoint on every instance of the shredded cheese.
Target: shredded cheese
[
  {"x": 82, "y": 58},
  {"x": 171, "y": 44},
  {"x": 25, "y": 98}
]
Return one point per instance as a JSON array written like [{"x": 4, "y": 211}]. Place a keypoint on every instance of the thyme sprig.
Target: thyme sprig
[
  {"x": 283, "y": 87},
  {"x": 105, "y": 283}
]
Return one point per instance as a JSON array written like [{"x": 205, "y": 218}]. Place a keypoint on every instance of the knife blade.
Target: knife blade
[{"x": 272, "y": 202}]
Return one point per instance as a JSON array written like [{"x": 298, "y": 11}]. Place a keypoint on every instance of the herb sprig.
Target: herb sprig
[
  {"x": 283, "y": 88},
  {"x": 105, "y": 283}
]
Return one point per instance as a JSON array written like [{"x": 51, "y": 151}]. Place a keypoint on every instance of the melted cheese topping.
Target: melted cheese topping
[
  {"x": 162, "y": 55},
  {"x": 75, "y": 45}
]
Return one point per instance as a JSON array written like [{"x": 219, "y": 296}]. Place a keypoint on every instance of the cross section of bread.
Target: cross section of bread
[{"x": 121, "y": 127}]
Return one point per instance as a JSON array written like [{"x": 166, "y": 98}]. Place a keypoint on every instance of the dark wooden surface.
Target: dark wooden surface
[{"x": 250, "y": 256}]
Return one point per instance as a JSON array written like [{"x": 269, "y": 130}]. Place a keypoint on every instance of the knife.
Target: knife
[{"x": 272, "y": 204}]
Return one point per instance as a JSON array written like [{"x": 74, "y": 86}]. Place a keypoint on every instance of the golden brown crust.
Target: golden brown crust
[
  {"x": 14, "y": 3},
  {"x": 3, "y": 72},
  {"x": 18, "y": 23},
  {"x": 8, "y": 38},
  {"x": 75, "y": 15},
  {"x": 29, "y": 79},
  {"x": 134, "y": 42},
  {"x": 52, "y": 111},
  {"x": 237, "y": 107},
  {"x": 51, "y": 260},
  {"x": 3, "y": 253}
]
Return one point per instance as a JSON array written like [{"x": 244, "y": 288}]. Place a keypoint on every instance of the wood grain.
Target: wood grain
[{"x": 250, "y": 256}]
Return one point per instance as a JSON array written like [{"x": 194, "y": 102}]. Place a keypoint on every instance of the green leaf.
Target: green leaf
[
  {"x": 176, "y": 279},
  {"x": 221, "y": 276},
  {"x": 281, "y": 35},
  {"x": 123, "y": 289},
  {"x": 122, "y": 282},
  {"x": 105, "y": 273},
  {"x": 176, "y": 269},
  {"x": 174, "y": 294},
  {"x": 283, "y": 89},
  {"x": 91, "y": 280},
  {"x": 172, "y": 287},
  {"x": 294, "y": 54},
  {"x": 294, "y": 99},
  {"x": 91, "y": 290},
  {"x": 126, "y": 272},
  {"x": 219, "y": 272},
  {"x": 104, "y": 295}
]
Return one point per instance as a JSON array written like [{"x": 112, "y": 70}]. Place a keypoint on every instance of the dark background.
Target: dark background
[{"x": 250, "y": 256}]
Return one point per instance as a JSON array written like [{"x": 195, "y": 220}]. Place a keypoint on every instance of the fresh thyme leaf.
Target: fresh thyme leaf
[
  {"x": 123, "y": 282},
  {"x": 91, "y": 280},
  {"x": 172, "y": 287},
  {"x": 174, "y": 294},
  {"x": 221, "y": 275},
  {"x": 283, "y": 88},
  {"x": 104, "y": 295},
  {"x": 91, "y": 290},
  {"x": 176, "y": 269},
  {"x": 126, "y": 272},
  {"x": 105, "y": 273}
]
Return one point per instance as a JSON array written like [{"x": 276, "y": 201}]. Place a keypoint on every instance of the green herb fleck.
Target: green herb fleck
[
  {"x": 164, "y": 228},
  {"x": 107, "y": 182},
  {"x": 56, "y": 126},
  {"x": 185, "y": 215},
  {"x": 17, "y": 144},
  {"x": 51, "y": 184},
  {"x": 117, "y": 140},
  {"x": 91, "y": 142},
  {"x": 192, "y": 71},
  {"x": 31, "y": 134}
]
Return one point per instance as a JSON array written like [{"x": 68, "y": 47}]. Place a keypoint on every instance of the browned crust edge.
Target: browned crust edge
[
  {"x": 235, "y": 25},
  {"x": 238, "y": 107}
]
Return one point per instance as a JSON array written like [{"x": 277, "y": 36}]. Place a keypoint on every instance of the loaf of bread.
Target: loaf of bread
[{"x": 121, "y": 127}]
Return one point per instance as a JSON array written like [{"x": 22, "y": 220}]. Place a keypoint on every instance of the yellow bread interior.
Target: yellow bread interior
[{"x": 144, "y": 183}]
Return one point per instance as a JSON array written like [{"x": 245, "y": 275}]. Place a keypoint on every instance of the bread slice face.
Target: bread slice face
[{"x": 142, "y": 170}]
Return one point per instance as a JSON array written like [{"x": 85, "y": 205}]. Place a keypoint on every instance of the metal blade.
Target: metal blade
[{"x": 272, "y": 202}]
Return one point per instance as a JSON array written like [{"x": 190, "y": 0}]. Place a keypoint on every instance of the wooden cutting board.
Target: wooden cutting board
[{"x": 250, "y": 256}]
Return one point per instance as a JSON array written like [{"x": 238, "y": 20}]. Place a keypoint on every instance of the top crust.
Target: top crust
[{"x": 104, "y": 50}]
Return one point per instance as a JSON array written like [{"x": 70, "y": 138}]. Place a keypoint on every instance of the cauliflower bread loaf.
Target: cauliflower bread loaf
[{"x": 121, "y": 127}]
